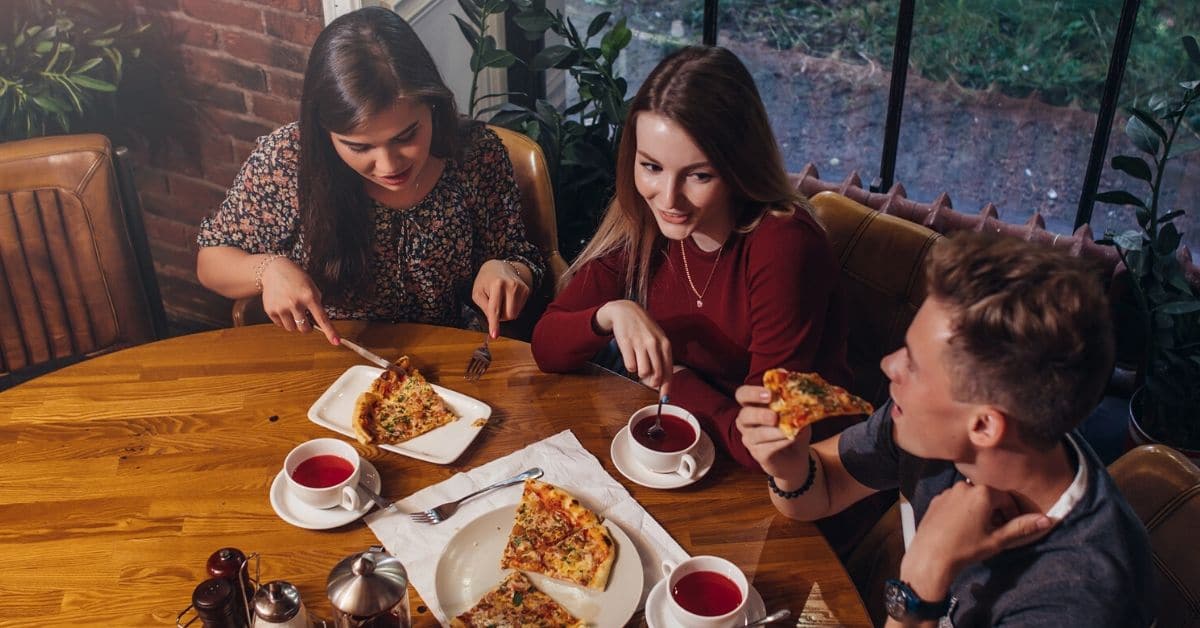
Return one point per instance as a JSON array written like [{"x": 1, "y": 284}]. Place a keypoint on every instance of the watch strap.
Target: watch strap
[{"x": 913, "y": 607}]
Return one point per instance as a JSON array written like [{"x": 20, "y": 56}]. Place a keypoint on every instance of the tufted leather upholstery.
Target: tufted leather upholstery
[
  {"x": 72, "y": 283},
  {"x": 882, "y": 258},
  {"x": 541, "y": 227},
  {"x": 1163, "y": 487}
]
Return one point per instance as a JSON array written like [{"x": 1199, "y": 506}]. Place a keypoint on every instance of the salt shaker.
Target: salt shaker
[
  {"x": 369, "y": 590},
  {"x": 277, "y": 605}
]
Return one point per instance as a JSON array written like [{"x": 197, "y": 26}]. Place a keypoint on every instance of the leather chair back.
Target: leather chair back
[
  {"x": 883, "y": 259},
  {"x": 1163, "y": 487},
  {"x": 72, "y": 281}
]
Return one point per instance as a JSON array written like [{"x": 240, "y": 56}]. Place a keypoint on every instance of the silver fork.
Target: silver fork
[
  {"x": 481, "y": 359},
  {"x": 438, "y": 514}
]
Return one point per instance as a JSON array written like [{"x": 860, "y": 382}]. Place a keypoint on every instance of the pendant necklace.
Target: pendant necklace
[{"x": 688, "y": 273}]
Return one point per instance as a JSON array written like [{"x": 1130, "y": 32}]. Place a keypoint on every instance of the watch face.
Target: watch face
[{"x": 895, "y": 601}]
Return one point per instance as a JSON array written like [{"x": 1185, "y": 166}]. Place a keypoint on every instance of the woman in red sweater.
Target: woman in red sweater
[{"x": 708, "y": 267}]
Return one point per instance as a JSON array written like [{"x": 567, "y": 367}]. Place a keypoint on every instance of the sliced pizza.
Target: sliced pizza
[
  {"x": 516, "y": 603},
  {"x": 801, "y": 399},
  {"x": 398, "y": 406},
  {"x": 556, "y": 536}
]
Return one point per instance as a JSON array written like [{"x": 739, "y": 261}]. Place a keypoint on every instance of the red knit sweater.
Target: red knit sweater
[{"x": 773, "y": 302}]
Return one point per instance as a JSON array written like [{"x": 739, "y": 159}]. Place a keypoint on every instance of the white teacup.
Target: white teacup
[
  {"x": 681, "y": 445},
  {"x": 326, "y": 487},
  {"x": 712, "y": 593}
]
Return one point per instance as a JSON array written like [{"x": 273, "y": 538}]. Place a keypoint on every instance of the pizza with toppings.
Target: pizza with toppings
[
  {"x": 556, "y": 536},
  {"x": 517, "y": 603},
  {"x": 801, "y": 399},
  {"x": 398, "y": 406}
]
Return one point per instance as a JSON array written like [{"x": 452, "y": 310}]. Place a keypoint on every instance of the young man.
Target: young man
[{"x": 1018, "y": 522}]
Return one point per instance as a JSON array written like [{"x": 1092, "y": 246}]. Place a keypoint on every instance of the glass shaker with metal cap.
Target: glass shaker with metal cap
[
  {"x": 369, "y": 590},
  {"x": 277, "y": 605}
]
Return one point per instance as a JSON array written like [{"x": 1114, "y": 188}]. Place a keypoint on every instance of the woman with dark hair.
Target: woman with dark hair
[
  {"x": 708, "y": 267},
  {"x": 380, "y": 204}
]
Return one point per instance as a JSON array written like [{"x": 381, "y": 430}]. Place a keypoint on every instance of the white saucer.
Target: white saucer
[
  {"x": 622, "y": 456},
  {"x": 302, "y": 515},
  {"x": 657, "y": 613}
]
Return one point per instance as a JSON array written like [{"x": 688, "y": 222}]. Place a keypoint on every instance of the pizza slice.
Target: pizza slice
[
  {"x": 398, "y": 406},
  {"x": 516, "y": 603},
  {"x": 801, "y": 399},
  {"x": 556, "y": 536}
]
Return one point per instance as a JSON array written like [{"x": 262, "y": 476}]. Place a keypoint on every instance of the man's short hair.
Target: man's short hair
[{"x": 1032, "y": 330}]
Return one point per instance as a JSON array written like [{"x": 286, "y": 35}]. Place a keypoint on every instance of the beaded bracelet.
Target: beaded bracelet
[
  {"x": 812, "y": 475},
  {"x": 261, "y": 268}
]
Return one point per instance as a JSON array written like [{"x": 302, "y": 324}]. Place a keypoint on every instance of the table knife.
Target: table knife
[{"x": 371, "y": 357}]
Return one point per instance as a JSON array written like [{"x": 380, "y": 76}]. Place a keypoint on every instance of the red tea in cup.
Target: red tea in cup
[
  {"x": 323, "y": 471},
  {"x": 706, "y": 593},
  {"x": 679, "y": 434}
]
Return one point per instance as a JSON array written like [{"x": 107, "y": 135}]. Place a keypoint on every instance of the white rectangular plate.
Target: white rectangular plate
[{"x": 335, "y": 407}]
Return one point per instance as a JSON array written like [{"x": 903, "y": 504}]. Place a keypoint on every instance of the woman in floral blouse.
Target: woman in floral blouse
[{"x": 381, "y": 203}]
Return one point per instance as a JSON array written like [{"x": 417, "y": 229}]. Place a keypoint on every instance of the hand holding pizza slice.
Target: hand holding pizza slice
[{"x": 801, "y": 399}]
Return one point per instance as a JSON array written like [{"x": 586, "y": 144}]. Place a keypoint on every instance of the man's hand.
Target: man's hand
[
  {"x": 964, "y": 525},
  {"x": 500, "y": 292},
  {"x": 783, "y": 458}
]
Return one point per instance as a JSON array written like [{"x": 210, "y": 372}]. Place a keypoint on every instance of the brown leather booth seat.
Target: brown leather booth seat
[
  {"x": 1163, "y": 487},
  {"x": 883, "y": 259},
  {"x": 72, "y": 282}
]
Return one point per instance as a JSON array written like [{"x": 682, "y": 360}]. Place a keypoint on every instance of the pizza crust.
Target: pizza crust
[
  {"x": 398, "y": 406},
  {"x": 556, "y": 536},
  {"x": 516, "y": 602}
]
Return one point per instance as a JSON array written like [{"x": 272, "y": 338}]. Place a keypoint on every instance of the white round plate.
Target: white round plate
[
  {"x": 622, "y": 456},
  {"x": 302, "y": 515},
  {"x": 470, "y": 567},
  {"x": 658, "y": 616}
]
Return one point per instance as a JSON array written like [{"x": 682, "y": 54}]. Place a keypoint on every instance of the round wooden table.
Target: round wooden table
[{"x": 122, "y": 474}]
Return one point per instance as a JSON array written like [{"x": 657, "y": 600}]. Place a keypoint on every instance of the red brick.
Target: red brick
[
  {"x": 170, "y": 208},
  {"x": 175, "y": 258},
  {"x": 216, "y": 96},
  {"x": 182, "y": 30},
  {"x": 297, "y": 6},
  {"x": 277, "y": 110},
  {"x": 264, "y": 50},
  {"x": 242, "y": 149},
  {"x": 297, "y": 29},
  {"x": 209, "y": 68},
  {"x": 163, "y": 231},
  {"x": 150, "y": 180},
  {"x": 160, "y": 5},
  {"x": 222, "y": 172},
  {"x": 241, "y": 127},
  {"x": 285, "y": 85},
  {"x": 220, "y": 12},
  {"x": 196, "y": 198}
]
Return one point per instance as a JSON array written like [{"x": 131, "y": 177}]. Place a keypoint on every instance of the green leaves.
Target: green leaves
[
  {"x": 1144, "y": 132},
  {"x": 1135, "y": 167}
]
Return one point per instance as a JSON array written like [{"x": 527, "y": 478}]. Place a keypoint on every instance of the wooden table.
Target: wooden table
[{"x": 119, "y": 476}]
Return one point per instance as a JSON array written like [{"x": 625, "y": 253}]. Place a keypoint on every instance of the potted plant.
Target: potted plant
[
  {"x": 61, "y": 62},
  {"x": 1166, "y": 308}
]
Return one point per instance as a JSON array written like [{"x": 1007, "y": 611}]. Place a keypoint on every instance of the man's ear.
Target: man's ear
[{"x": 989, "y": 424}]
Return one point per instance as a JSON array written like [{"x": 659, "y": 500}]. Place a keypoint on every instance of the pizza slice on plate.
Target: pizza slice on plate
[
  {"x": 398, "y": 406},
  {"x": 801, "y": 399},
  {"x": 556, "y": 536},
  {"x": 516, "y": 602}
]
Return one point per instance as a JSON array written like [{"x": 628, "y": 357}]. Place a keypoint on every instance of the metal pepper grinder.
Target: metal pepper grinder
[
  {"x": 369, "y": 590},
  {"x": 277, "y": 605}
]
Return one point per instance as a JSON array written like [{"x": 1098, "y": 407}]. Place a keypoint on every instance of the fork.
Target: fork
[
  {"x": 438, "y": 514},
  {"x": 481, "y": 359}
]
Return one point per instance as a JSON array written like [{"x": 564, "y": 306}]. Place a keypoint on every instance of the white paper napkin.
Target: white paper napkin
[{"x": 567, "y": 465}]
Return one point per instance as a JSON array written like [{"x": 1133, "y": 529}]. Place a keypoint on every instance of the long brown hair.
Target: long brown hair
[
  {"x": 360, "y": 65},
  {"x": 709, "y": 93}
]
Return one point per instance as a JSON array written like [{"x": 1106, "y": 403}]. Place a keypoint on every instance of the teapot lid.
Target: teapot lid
[
  {"x": 367, "y": 583},
  {"x": 277, "y": 601}
]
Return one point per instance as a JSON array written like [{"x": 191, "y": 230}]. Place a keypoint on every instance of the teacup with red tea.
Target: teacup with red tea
[
  {"x": 324, "y": 473},
  {"x": 670, "y": 451},
  {"x": 705, "y": 591}
]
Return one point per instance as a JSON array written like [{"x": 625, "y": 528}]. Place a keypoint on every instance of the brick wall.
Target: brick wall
[{"x": 241, "y": 64}]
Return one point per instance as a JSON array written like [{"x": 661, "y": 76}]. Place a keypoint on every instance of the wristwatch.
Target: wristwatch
[{"x": 904, "y": 603}]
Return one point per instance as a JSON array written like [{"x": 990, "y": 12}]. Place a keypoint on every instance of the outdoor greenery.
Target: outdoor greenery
[
  {"x": 580, "y": 140},
  {"x": 1166, "y": 306},
  {"x": 1056, "y": 51},
  {"x": 60, "y": 62}
]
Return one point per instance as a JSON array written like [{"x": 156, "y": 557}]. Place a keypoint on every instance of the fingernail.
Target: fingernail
[
  {"x": 1044, "y": 523},
  {"x": 765, "y": 395}
]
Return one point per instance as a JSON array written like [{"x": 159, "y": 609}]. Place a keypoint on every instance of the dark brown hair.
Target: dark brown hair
[
  {"x": 361, "y": 64},
  {"x": 709, "y": 93},
  {"x": 1032, "y": 331}
]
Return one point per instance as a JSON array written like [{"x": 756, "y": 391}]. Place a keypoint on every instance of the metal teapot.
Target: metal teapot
[{"x": 369, "y": 590}]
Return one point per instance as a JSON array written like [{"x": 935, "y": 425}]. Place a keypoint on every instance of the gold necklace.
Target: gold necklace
[{"x": 688, "y": 273}]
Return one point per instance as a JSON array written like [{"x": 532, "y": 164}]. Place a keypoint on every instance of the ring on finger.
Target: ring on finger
[{"x": 301, "y": 321}]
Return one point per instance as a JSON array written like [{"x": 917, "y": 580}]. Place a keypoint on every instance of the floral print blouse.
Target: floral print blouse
[{"x": 424, "y": 258}]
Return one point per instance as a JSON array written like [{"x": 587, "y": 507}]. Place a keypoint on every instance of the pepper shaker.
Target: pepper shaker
[
  {"x": 230, "y": 563},
  {"x": 216, "y": 604}
]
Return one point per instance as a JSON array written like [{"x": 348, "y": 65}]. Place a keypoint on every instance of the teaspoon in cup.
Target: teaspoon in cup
[{"x": 773, "y": 617}]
